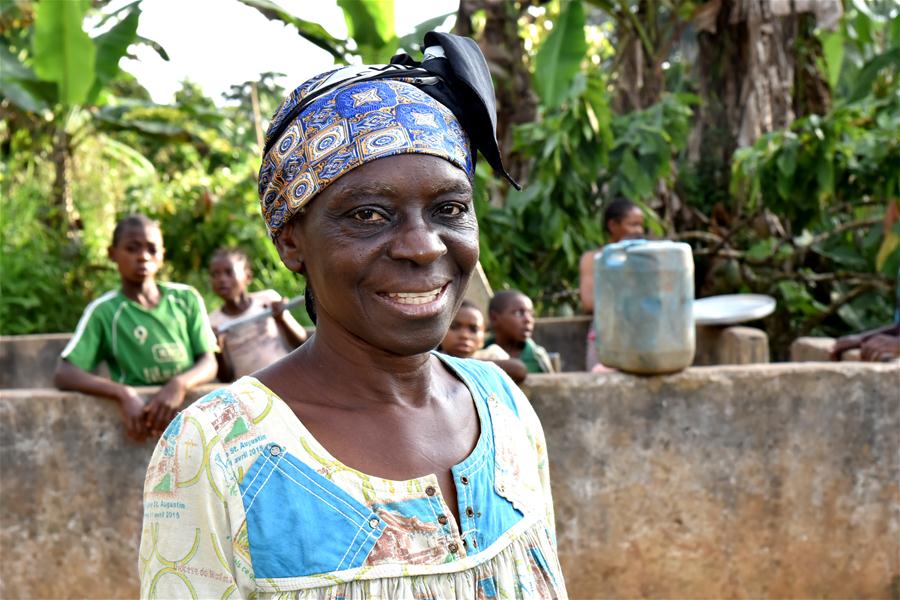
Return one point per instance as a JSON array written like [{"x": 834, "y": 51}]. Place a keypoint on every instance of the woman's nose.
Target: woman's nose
[{"x": 416, "y": 240}]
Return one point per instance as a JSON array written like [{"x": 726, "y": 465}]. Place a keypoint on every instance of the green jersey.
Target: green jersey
[
  {"x": 533, "y": 355},
  {"x": 142, "y": 346}
]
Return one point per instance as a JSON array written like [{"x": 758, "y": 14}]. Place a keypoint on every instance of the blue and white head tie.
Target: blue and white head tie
[{"x": 345, "y": 118}]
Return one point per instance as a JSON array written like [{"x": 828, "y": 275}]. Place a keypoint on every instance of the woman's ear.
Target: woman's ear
[{"x": 289, "y": 247}]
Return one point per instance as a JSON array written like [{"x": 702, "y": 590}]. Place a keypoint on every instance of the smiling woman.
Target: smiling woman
[{"x": 364, "y": 464}]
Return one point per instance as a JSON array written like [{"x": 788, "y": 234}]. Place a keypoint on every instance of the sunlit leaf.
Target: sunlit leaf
[
  {"x": 309, "y": 30},
  {"x": 833, "y": 53},
  {"x": 111, "y": 47},
  {"x": 560, "y": 56},
  {"x": 63, "y": 52},
  {"x": 371, "y": 24}
]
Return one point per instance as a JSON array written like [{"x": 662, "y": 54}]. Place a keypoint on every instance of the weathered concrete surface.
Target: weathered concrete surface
[
  {"x": 28, "y": 361},
  {"x": 811, "y": 349},
  {"x": 777, "y": 481},
  {"x": 807, "y": 349},
  {"x": 70, "y": 492},
  {"x": 762, "y": 481},
  {"x": 743, "y": 346},
  {"x": 731, "y": 345},
  {"x": 565, "y": 335}
]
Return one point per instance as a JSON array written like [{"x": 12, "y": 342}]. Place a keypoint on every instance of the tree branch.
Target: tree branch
[{"x": 844, "y": 227}]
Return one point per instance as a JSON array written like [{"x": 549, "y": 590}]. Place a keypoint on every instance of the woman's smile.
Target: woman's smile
[{"x": 418, "y": 304}]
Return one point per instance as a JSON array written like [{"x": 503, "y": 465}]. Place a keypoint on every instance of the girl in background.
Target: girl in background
[{"x": 622, "y": 220}]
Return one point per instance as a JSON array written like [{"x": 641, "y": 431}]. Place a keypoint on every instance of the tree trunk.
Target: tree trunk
[
  {"x": 63, "y": 216},
  {"x": 640, "y": 80},
  {"x": 749, "y": 74}
]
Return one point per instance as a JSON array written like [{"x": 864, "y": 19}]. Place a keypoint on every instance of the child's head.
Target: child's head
[
  {"x": 137, "y": 249},
  {"x": 466, "y": 333},
  {"x": 512, "y": 317},
  {"x": 230, "y": 272},
  {"x": 623, "y": 220}
]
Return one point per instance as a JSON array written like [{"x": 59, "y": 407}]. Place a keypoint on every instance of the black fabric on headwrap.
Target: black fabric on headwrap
[
  {"x": 460, "y": 80},
  {"x": 465, "y": 87}
]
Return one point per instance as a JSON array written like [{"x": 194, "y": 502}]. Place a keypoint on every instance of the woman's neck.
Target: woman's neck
[
  {"x": 145, "y": 293},
  {"x": 379, "y": 377},
  {"x": 235, "y": 306}
]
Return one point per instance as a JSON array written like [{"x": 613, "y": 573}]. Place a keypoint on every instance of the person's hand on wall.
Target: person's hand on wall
[
  {"x": 131, "y": 406},
  {"x": 163, "y": 406},
  {"x": 880, "y": 348},
  {"x": 848, "y": 342}
]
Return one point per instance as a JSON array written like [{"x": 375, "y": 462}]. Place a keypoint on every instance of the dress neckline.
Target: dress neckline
[{"x": 311, "y": 445}]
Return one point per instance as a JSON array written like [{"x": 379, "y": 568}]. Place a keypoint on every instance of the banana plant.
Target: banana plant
[
  {"x": 370, "y": 30},
  {"x": 60, "y": 75}
]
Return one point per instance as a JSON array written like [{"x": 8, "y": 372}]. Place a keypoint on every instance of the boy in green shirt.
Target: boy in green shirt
[
  {"x": 148, "y": 333},
  {"x": 512, "y": 322}
]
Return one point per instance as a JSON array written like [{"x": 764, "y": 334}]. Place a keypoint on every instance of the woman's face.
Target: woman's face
[{"x": 388, "y": 250}]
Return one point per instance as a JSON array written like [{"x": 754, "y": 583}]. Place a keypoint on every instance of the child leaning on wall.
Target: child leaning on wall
[
  {"x": 248, "y": 347},
  {"x": 465, "y": 339},
  {"x": 148, "y": 333},
  {"x": 512, "y": 322}
]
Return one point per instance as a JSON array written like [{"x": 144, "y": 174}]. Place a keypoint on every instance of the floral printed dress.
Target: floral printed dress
[{"x": 241, "y": 501}]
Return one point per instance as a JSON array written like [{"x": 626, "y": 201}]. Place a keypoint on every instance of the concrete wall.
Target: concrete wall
[
  {"x": 775, "y": 481},
  {"x": 28, "y": 361},
  {"x": 778, "y": 481}
]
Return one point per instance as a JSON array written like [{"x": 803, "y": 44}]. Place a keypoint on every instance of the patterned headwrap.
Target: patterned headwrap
[{"x": 345, "y": 118}]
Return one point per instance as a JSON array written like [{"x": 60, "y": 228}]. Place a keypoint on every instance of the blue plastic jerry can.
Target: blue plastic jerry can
[{"x": 643, "y": 306}]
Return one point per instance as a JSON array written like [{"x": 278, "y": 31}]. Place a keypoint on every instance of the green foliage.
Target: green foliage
[
  {"x": 831, "y": 179},
  {"x": 310, "y": 31},
  {"x": 560, "y": 56},
  {"x": 646, "y": 143},
  {"x": 851, "y": 153},
  {"x": 111, "y": 47},
  {"x": 803, "y": 220},
  {"x": 370, "y": 23},
  {"x": 63, "y": 52},
  {"x": 46, "y": 279},
  {"x": 534, "y": 241}
]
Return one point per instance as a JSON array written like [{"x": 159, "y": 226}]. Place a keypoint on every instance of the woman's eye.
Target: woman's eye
[
  {"x": 451, "y": 209},
  {"x": 367, "y": 215}
]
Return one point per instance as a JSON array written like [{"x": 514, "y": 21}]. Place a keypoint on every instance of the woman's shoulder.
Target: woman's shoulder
[{"x": 234, "y": 411}]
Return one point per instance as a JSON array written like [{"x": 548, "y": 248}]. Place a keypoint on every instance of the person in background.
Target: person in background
[
  {"x": 148, "y": 333},
  {"x": 251, "y": 346},
  {"x": 465, "y": 339},
  {"x": 877, "y": 345},
  {"x": 512, "y": 323},
  {"x": 883, "y": 343},
  {"x": 622, "y": 220}
]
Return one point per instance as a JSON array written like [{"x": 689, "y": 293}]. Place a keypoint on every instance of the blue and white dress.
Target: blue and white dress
[{"x": 241, "y": 501}]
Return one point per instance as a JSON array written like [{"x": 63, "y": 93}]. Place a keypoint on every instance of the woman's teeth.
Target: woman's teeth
[{"x": 415, "y": 297}]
